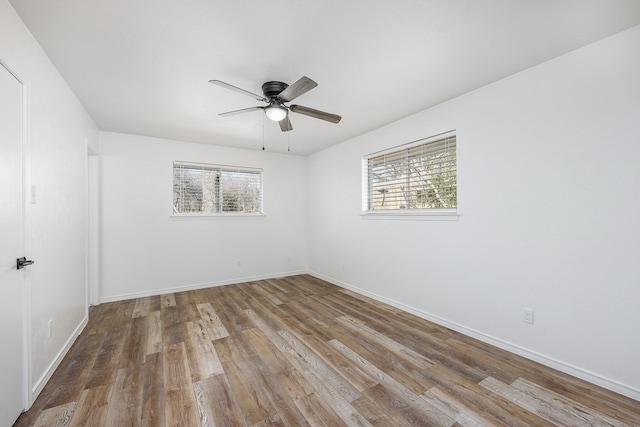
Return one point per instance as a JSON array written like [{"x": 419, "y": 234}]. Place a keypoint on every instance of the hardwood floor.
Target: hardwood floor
[{"x": 299, "y": 351}]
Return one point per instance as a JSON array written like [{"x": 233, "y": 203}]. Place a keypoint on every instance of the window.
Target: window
[
  {"x": 200, "y": 189},
  {"x": 415, "y": 178}
]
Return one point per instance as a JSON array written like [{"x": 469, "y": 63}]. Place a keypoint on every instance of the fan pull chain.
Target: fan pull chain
[
  {"x": 289, "y": 141},
  {"x": 263, "y": 132}
]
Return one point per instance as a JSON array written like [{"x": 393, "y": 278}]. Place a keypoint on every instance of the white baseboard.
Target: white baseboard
[
  {"x": 567, "y": 368},
  {"x": 192, "y": 287},
  {"x": 42, "y": 381}
]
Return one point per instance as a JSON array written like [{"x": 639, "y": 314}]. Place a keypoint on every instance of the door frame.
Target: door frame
[
  {"x": 27, "y": 397},
  {"x": 93, "y": 226}
]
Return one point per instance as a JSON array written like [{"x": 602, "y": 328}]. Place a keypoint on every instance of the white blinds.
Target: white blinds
[
  {"x": 418, "y": 177},
  {"x": 213, "y": 189}
]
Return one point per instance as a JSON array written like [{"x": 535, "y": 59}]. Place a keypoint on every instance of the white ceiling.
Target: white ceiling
[{"x": 141, "y": 67}]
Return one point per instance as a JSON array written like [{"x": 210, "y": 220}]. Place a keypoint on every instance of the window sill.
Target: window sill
[
  {"x": 412, "y": 216},
  {"x": 208, "y": 217}
]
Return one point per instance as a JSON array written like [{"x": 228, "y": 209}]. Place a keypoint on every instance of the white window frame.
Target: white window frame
[
  {"x": 450, "y": 214},
  {"x": 218, "y": 214}
]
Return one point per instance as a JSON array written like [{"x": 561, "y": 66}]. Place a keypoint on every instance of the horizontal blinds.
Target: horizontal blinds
[
  {"x": 194, "y": 189},
  {"x": 419, "y": 177},
  {"x": 240, "y": 191},
  {"x": 212, "y": 189}
]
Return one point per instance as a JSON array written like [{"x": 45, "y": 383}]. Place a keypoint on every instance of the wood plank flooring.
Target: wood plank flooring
[{"x": 298, "y": 351}]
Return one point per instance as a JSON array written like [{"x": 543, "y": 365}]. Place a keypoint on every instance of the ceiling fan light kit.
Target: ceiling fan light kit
[
  {"x": 275, "y": 112},
  {"x": 276, "y": 94}
]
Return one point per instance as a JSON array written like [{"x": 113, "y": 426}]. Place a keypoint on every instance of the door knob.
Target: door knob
[{"x": 23, "y": 262}]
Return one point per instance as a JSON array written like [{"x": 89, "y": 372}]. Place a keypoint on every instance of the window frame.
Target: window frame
[
  {"x": 219, "y": 214},
  {"x": 450, "y": 214}
]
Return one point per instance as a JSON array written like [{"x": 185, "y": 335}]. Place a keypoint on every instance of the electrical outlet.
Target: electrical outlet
[
  {"x": 239, "y": 263},
  {"x": 527, "y": 315},
  {"x": 49, "y": 328}
]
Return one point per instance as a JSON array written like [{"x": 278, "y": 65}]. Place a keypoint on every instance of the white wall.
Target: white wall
[
  {"x": 145, "y": 251},
  {"x": 549, "y": 185},
  {"x": 59, "y": 133}
]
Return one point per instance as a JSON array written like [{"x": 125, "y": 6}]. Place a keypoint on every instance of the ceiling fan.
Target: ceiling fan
[{"x": 276, "y": 94}]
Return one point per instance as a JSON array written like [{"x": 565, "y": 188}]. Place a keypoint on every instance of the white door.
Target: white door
[{"x": 11, "y": 247}]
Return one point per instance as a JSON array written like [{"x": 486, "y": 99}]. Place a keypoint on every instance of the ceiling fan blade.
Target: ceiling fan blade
[
  {"x": 244, "y": 110},
  {"x": 285, "y": 124},
  {"x": 304, "y": 85},
  {"x": 306, "y": 111},
  {"x": 237, "y": 89}
]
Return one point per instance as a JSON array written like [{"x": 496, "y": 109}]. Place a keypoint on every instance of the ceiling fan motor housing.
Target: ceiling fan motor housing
[{"x": 273, "y": 89}]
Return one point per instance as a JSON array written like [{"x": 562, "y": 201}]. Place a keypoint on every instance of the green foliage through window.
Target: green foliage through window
[{"x": 419, "y": 177}]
